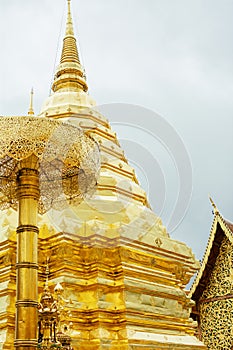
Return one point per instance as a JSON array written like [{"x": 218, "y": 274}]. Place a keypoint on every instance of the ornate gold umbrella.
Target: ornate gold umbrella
[{"x": 43, "y": 164}]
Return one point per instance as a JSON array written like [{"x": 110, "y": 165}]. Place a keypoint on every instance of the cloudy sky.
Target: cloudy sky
[{"x": 174, "y": 57}]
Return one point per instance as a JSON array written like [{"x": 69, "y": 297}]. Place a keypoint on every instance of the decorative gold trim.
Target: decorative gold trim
[
  {"x": 26, "y": 265},
  {"x": 28, "y": 228},
  {"x": 217, "y": 219}
]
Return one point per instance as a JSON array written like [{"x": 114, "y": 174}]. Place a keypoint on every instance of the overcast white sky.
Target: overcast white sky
[{"x": 172, "y": 56}]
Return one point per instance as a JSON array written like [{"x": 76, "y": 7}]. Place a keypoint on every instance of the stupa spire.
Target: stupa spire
[
  {"x": 31, "y": 109},
  {"x": 69, "y": 74},
  {"x": 69, "y": 51}
]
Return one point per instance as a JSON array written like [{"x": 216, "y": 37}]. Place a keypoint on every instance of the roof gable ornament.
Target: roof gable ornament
[
  {"x": 215, "y": 209},
  {"x": 220, "y": 226}
]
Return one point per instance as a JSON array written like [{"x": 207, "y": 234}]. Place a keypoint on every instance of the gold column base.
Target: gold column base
[{"x": 22, "y": 344}]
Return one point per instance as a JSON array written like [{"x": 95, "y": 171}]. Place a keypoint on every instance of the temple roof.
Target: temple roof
[{"x": 220, "y": 228}]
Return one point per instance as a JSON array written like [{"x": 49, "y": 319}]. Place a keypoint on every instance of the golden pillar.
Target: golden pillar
[{"x": 27, "y": 264}]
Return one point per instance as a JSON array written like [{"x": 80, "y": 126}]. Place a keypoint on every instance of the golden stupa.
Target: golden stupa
[{"x": 123, "y": 275}]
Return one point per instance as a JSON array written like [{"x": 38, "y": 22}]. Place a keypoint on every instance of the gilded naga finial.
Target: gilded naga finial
[
  {"x": 216, "y": 211},
  {"x": 31, "y": 110}
]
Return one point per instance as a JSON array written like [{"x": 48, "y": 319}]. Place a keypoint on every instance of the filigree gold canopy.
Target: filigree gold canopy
[{"x": 68, "y": 160}]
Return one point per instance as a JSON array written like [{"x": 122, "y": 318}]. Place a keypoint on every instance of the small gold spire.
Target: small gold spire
[
  {"x": 216, "y": 211},
  {"x": 31, "y": 110},
  {"x": 58, "y": 288}
]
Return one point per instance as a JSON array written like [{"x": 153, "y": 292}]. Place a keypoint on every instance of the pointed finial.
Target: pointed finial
[
  {"x": 216, "y": 211},
  {"x": 31, "y": 110},
  {"x": 69, "y": 23},
  {"x": 58, "y": 288}
]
